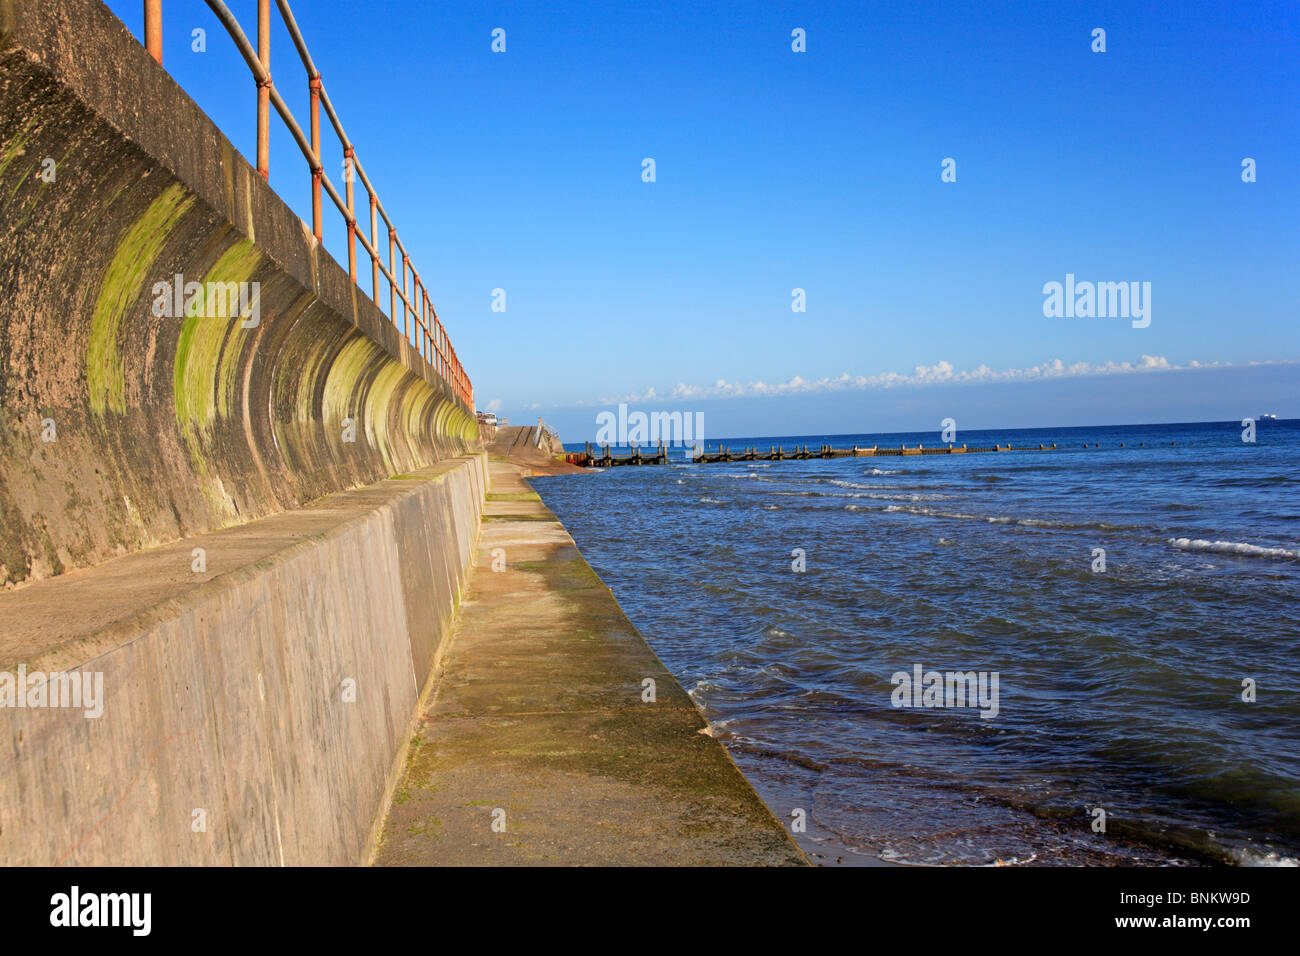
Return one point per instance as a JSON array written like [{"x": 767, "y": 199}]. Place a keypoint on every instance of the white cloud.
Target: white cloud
[
  {"x": 941, "y": 373},
  {"x": 494, "y": 405}
]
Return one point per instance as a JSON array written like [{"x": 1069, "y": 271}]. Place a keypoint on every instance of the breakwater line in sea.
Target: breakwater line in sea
[{"x": 603, "y": 457}]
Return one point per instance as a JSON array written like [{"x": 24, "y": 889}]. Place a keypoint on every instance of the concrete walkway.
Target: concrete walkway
[{"x": 536, "y": 747}]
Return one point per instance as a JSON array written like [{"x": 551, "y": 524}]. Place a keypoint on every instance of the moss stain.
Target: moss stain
[
  {"x": 121, "y": 286},
  {"x": 206, "y": 372}
]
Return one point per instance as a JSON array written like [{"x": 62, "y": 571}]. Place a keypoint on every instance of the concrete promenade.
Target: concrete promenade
[{"x": 535, "y": 745}]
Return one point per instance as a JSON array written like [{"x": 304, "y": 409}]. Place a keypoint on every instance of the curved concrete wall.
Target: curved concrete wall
[{"x": 167, "y": 427}]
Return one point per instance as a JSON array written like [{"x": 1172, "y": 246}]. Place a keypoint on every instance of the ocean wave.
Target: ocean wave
[
  {"x": 849, "y": 484},
  {"x": 1006, "y": 519},
  {"x": 1247, "y": 857},
  {"x": 875, "y": 487},
  {"x": 700, "y": 692},
  {"x": 1233, "y": 547},
  {"x": 711, "y": 501},
  {"x": 875, "y": 495}
]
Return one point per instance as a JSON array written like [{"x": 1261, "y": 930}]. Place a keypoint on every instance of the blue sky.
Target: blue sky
[{"x": 778, "y": 170}]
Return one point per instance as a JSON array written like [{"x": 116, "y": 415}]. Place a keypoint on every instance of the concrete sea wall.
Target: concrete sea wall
[
  {"x": 120, "y": 429},
  {"x": 255, "y": 714},
  {"x": 252, "y": 535}
]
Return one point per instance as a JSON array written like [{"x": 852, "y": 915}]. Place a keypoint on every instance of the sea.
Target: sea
[{"x": 1072, "y": 656}]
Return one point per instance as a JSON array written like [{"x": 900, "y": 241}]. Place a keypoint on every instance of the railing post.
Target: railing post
[
  {"x": 349, "y": 157},
  {"x": 153, "y": 29},
  {"x": 419, "y": 305},
  {"x": 264, "y": 89},
  {"x": 428, "y": 311},
  {"x": 406, "y": 301},
  {"x": 417, "y": 294},
  {"x": 392, "y": 281},
  {"x": 374, "y": 244},
  {"x": 419, "y": 315},
  {"x": 313, "y": 87},
  {"x": 430, "y": 320}
]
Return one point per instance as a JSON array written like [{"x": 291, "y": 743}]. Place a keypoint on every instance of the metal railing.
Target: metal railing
[{"x": 420, "y": 322}]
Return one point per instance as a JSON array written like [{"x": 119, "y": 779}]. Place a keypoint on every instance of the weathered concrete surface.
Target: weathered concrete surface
[
  {"x": 225, "y": 691},
  {"x": 170, "y": 426},
  {"x": 515, "y": 440},
  {"x": 539, "y": 713},
  {"x": 520, "y": 444}
]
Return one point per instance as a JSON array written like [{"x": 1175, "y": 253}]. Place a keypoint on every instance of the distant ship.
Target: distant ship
[{"x": 1268, "y": 418}]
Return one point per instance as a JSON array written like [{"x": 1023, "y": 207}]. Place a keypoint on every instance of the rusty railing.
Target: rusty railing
[{"x": 420, "y": 322}]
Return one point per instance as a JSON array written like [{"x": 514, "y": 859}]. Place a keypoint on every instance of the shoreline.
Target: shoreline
[{"x": 540, "y": 744}]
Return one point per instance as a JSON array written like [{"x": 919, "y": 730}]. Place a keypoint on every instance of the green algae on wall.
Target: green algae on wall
[
  {"x": 123, "y": 281},
  {"x": 379, "y": 398},
  {"x": 206, "y": 371},
  {"x": 343, "y": 380}
]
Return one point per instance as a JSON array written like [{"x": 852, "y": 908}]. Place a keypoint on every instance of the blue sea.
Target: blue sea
[{"x": 1161, "y": 688}]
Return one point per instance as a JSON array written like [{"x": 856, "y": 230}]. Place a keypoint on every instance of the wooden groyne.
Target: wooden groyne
[{"x": 603, "y": 457}]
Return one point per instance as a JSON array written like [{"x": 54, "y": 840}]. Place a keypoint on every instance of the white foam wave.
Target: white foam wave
[
  {"x": 1233, "y": 547},
  {"x": 1002, "y": 519},
  {"x": 1256, "y": 858},
  {"x": 877, "y": 496}
]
